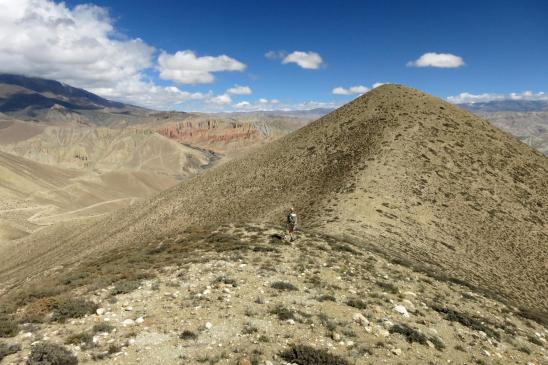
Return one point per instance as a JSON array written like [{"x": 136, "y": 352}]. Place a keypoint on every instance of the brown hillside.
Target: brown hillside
[{"x": 397, "y": 169}]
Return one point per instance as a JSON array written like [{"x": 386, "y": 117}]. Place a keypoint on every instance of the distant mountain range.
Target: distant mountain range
[{"x": 508, "y": 105}]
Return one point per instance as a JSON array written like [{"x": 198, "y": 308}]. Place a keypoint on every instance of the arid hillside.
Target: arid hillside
[{"x": 397, "y": 170}]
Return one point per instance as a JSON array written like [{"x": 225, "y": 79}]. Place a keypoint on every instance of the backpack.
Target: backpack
[{"x": 292, "y": 218}]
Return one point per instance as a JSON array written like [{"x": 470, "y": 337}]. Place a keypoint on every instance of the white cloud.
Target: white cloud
[
  {"x": 239, "y": 90},
  {"x": 377, "y": 84},
  {"x": 308, "y": 60},
  {"x": 440, "y": 60},
  {"x": 275, "y": 55},
  {"x": 186, "y": 68},
  {"x": 223, "y": 99},
  {"x": 359, "y": 89},
  {"x": 466, "y": 97},
  {"x": 46, "y": 39},
  {"x": 242, "y": 105}
]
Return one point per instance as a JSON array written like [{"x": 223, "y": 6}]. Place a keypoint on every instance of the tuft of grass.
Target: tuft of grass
[
  {"x": 102, "y": 327},
  {"x": 282, "y": 285},
  {"x": 225, "y": 280},
  {"x": 410, "y": 334},
  {"x": 535, "y": 340},
  {"x": 356, "y": 303},
  {"x": 6, "y": 350},
  {"x": 307, "y": 355},
  {"x": 66, "y": 308},
  {"x": 283, "y": 313},
  {"x": 125, "y": 286},
  {"x": 525, "y": 350},
  {"x": 80, "y": 338},
  {"x": 326, "y": 298},
  {"x": 188, "y": 335},
  {"x": 8, "y": 327},
  {"x": 389, "y": 287},
  {"x": 47, "y": 353}
]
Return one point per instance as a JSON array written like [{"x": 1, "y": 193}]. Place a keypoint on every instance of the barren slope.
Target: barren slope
[{"x": 420, "y": 178}]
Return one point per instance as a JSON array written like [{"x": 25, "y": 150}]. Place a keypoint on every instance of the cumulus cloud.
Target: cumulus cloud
[
  {"x": 46, "y": 39},
  {"x": 242, "y": 105},
  {"x": 81, "y": 47},
  {"x": 465, "y": 97},
  {"x": 307, "y": 60},
  {"x": 186, "y": 68},
  {"x": 377, "y": 84},
  {"x": 223, "y": 99},
  {"x": 439, "y": 60},
  {"x": 359, "y": 89},
  {"x": 239, "y": 90}
]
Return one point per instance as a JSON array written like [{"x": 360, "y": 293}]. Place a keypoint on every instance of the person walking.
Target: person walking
[{"x": 291, "y": 224}]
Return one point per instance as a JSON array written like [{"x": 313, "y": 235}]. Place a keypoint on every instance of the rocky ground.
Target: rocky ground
[{"x": 270, "y": 301}]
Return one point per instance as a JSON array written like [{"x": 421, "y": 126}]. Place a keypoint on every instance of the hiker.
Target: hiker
[{"x": 291, "y": 223}]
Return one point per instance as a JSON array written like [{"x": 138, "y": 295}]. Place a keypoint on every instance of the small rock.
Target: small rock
[
  {"x": 335, "y": 336},
  {"x": 267, "y": 362},
  {"x": 208, "y": 325},
  {"x": 486, "y": 353},
  {"x": 100, "y": 311},
  {"x": 401, "y": 310},
  {"x": 387, "y": 324},
  {"x": 128, "y": 309},
  {"x": 359, "y": 318},
  {"x": 139, "y": 320},
  {"x": 131, "y": 342},
  {"x": 244, "y": 361},
  {"x": 349, "y": 343},
  {"x": 291, "y": 321},
  {"x": 128, "y": 322},
  {"x": 396, "y": 352}
]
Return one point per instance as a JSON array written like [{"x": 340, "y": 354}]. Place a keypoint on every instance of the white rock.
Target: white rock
[
  {"x": 131, "y": 342},
  {"x": 208, "y": 325},
  {"x": 28, "y": 335},
  {"x": 129, "y": 309},
  {"x": 401, "y": 310},
  {"x": 409, "y": 294},
  {"x": 100, "y": 311},
  {"x": 268, "y": 362},
  {"x": 291, "y": 321},
  {"x": 139, "y": 320},
  {"x": 486, "y": 353},
  {"x": 396, "y": 352},
  {"x": 359, "y": 318},
  {"x": 387, "y": 324},
  {"x": 128, "y": 322},
  {"x": 349, "y": 343},
  {"x": 335, "y": 336},
  {"x": 383, "y": 333}
]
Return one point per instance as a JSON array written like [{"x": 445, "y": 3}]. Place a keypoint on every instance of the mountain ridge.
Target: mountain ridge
[{"x": 417, "y": 177}]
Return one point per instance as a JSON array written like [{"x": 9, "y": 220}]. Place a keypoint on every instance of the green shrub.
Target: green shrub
[
  {"x": 306, "y": 355},
  {"x": 6, "y": 350},
  {"x": 47, "y": 353},
  {"x": 72, "y": 308},
  {"x": 8, "y": 327}
]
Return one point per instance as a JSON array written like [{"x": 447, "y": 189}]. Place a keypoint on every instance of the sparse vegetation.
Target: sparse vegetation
[
  {"x": 66, "y": 308},
  {"x": 467, "y": 320},
  {"x": 283, "y": 313},
  {"x": 326, "y": 298},
  {"x": 125, "y": 286},
  {"x": 8, "y": 327},
  {"x": 282, "y": 285},
  {"x": 306, "y": 355},
  {"x": 102, "y": 327},
  {"x": 188, "y": 335},
  {"x": 356, "y": 303},
  {"x": 84, "y": 338},
  {"x": 47, "y": 353},
  {"x": 6, "y": 350}
]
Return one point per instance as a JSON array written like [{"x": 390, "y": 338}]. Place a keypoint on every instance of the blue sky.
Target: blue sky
[{"x": 489, "y": 50}]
